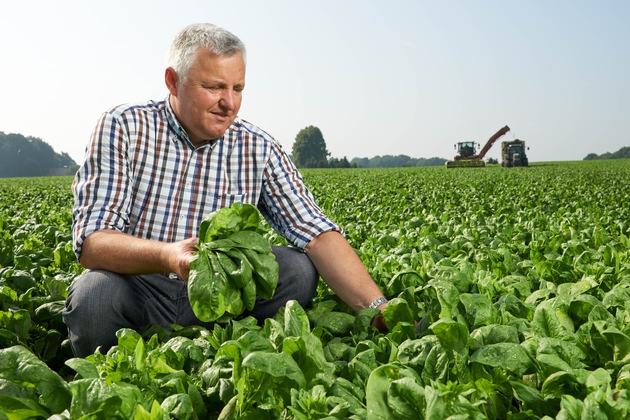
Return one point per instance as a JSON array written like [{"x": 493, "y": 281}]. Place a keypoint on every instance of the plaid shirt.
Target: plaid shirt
[{"x": 143, "y": 176}]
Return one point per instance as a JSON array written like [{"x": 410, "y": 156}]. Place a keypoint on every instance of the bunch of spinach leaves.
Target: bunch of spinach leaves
[{"x": 234, "y": 264}]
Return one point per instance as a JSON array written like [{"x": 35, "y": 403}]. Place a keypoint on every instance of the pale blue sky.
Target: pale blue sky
[{"x": 396, "y": 77}]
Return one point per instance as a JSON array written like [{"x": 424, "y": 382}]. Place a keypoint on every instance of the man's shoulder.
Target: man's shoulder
[
  {"x": 241, "y": 126},
  {"x": 149, "y": 107}
]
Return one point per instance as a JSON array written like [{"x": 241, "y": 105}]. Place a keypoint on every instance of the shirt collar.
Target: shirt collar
[{"x": 174, "y": 125}]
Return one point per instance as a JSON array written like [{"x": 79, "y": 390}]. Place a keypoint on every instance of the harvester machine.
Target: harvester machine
[{"x": 466, "y": 156}]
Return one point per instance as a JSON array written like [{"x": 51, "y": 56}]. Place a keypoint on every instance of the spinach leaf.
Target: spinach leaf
[
  {"x": 21, "y": 366},
  {"x": 206, "y": 288}
]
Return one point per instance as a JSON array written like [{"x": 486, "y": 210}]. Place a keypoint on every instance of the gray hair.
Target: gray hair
[{"x": 189, "y": 40}]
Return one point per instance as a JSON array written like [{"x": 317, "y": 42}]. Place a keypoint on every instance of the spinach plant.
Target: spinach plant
[{"x": 234, "y": 264}]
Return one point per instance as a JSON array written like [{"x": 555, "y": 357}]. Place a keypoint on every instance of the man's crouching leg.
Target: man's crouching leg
[{"x": 100, "y": 303}]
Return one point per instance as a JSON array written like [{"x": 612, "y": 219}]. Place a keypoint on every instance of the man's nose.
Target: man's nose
[{"x": 228, "y": 99}]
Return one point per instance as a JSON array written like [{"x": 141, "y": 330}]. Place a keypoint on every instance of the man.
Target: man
[{"x": 154, "y": 171}]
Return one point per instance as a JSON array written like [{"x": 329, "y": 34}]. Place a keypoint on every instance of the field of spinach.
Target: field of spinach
[{"x": 510, "y": 299}]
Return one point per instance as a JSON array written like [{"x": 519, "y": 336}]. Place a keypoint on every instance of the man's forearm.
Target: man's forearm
[
  {"x": 125, "y": 254},
  {"x": 342, "y": 270}
]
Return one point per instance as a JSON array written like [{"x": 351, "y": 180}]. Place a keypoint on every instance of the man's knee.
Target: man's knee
[
  {"x": 95, "y": 291},
  {"x": 93, "y": 301}
]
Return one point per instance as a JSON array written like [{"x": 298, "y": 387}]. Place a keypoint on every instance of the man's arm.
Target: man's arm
[
  {"x": 343, "y": 271},
  {"x": 125, "y": 254}
]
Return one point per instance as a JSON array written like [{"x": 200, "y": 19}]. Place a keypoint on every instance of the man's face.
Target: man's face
[{"x": 210, "y": 98}]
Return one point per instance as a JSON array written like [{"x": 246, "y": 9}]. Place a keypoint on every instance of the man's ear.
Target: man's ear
[{"x": 171, "y": 79}]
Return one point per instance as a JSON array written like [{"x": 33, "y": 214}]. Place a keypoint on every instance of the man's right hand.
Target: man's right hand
[{"x": 179, "y": 255}]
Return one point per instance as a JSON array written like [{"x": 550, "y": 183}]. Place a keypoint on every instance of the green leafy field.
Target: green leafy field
[{"x": 510, "y": 298}]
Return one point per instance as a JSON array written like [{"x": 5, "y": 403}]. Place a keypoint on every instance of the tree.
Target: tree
[
  {"x": 622, "y": 153},
  {"x": 31, "y": 156},
  {"x": 340, "y": 163},
  {"x": 309, "y": 149}
]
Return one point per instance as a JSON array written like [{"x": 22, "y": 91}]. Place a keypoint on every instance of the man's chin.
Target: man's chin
[
  {"x": 218, "y": 128},
  {"x": 216, "y": 132}
]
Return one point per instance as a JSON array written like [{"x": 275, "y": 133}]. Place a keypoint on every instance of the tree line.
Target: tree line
[
  {"x": 22, "y": 156},
  {"x": 398, "y": 161},
  {"x": 309, "y": 151},
  {"x": 623, "y": 153}
]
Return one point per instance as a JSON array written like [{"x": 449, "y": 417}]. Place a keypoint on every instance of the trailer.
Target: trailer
[{"x": 513, "y": 153}]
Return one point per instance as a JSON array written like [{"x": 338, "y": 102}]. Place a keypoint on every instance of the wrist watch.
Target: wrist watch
[{"x": 378, "y": 301}]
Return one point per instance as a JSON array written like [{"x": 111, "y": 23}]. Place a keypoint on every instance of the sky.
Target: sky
[{"x": 377, "y": 78}]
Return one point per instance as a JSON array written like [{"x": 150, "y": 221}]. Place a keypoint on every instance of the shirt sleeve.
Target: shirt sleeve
[
  {"x": 101, "y": 185},
  {"x": 288, "y": 205}
]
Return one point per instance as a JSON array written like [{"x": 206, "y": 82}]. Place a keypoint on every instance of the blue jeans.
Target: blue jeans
[{"x": 100, "y": 302}]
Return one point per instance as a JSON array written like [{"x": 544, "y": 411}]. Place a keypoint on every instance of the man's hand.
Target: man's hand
[
  {"x": 179, "y": 254},
  {"x": 379, "y": 323}
]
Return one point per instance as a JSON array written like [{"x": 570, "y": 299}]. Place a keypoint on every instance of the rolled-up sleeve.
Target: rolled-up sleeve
[
  {"x": 101, "y": 185},
  {"x": 288, "y": 205}
]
